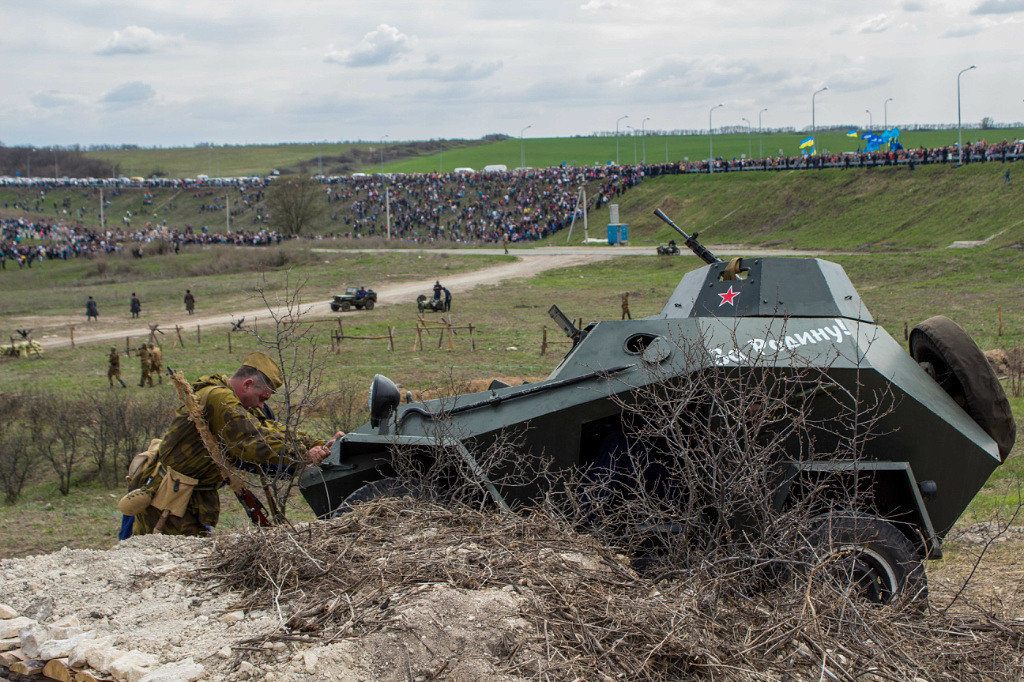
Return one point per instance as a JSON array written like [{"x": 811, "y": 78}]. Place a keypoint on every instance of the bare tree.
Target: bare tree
[{"x": 294, "y": 203}]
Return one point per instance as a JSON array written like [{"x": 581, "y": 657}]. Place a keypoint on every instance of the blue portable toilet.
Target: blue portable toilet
[{"x": 618, "y": 233}]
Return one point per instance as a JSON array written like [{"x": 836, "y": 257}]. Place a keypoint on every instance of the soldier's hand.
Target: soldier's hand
[
  {"x": 316, "y": 454},
  {"x": 335, "y": 437}
]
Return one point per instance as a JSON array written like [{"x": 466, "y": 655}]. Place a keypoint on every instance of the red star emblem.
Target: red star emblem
[{"x": 728, "y": 296}]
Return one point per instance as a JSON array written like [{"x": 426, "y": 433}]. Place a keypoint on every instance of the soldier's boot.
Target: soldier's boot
[{"x": 123, "y": 385}]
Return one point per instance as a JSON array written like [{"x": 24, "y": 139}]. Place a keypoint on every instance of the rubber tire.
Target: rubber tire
[
  {"x": 883, "y": 548},
  {"x": 345, "y": 307},
  {"x": 335, "y": 307},
  {"x": 376, "y": 490},
  {"x": 369, "y": 305},
  {"x": 966, "y": 375}
]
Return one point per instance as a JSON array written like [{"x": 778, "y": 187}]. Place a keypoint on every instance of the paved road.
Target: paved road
[{"x": 529, "y": 262}]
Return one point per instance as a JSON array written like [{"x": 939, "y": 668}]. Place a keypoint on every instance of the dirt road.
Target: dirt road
[{"x": 529, "y": 262}]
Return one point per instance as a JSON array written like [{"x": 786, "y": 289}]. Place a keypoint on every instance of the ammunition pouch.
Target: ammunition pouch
[
  {"x": 135, "y": 502},
  {"x": 141, "y": 465},
  {"x": 174, "y": 492}
]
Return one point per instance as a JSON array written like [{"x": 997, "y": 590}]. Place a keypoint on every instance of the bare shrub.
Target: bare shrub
[
  {"x": 1015, "y": 365},
  {"x": 16, "y": 455}
]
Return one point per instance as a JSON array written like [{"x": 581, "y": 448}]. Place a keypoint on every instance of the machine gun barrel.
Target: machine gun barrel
[{"x": 691, "y": 241}]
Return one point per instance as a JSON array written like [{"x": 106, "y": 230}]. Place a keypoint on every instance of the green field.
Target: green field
[{"x": 539, "y": 152}]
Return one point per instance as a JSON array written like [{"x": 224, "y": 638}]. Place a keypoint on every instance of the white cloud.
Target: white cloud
[
  {"x": 128, "y": 95},
  {"x": 962, "y": 32},
  {"x": 597, "y": 5},
  {"x": 135, "y": 40},
  {"x": 999, "y": 7},
  {"x": 466, "y": 71},
  {"x": 380, "y": 46},
  {"x": 52, "y": 99},
  {"x": 876, "y": 24},
  {"x": 912, "y": 6}
]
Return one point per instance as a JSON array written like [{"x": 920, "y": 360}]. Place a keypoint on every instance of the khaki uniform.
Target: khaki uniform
[
  {"x": 247, "y": 436},
  {"x": 144, "y": 367},
  {"x": 156, "y": 364},
  {"x": 625, "y": 307},
  {"x": 114, "y": 369}
]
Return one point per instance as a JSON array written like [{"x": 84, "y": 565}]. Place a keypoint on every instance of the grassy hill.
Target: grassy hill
[
  {"x": 408, "y": 157},
  {"x": 874, "y": 209}
]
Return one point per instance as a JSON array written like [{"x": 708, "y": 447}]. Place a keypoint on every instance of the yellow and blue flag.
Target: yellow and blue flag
[
  {"x": 809, "y": 142},
  {"x": 852, "y": 132}
]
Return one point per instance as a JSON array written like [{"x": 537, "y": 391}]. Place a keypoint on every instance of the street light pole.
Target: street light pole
[
  {"x": 643, "y": 138},
  {"x": 959, "y": 136},
  {"x": 760, "y": 129},
  {"x": 885, "y": 114},
  {"x": 522, "y": 147},
  {"x": 814, "y": 128},
  {"x": 632, "y": 134},
  {"x": 871, "y": 121},
  {"x": 748, "y": 137},
  {"x": 383, "y": 137},
  {"x": 620, "y": 118},
  {"x": 711, "y": 135}
]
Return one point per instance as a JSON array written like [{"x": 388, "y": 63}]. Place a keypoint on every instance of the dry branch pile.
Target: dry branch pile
[{"x": 590, "y": 616}]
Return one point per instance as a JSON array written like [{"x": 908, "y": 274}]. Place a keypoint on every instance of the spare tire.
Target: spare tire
[{"x": 959, "y": 366}]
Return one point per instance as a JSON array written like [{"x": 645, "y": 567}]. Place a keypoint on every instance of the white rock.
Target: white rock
[
  {"x": 64, "y": 632},
  {"x": 79, "y": 657},
  {"x": 232, "y": 617},
  {"x": 32, "y": 637},
  {"x": 224, "y": 652},
  {"x": 102, "y": 657},
  {"x": 61, "y": 648},
  {"x": 8, "y": 644},
  {"x": 183, "y": 671},
  {"x": 6, "y": 612},
  {"x": 134, "y": 664},
  {"x": 309, "y": 661},
  {"x": 12, "y": 627},
  {"x": 70, "y": 621}
]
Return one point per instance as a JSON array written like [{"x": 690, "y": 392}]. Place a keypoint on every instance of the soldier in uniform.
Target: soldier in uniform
[
  {"x": 136, "y": 305},
  {"x": 190, "y": 302},
  {"x": 92, "y": 312},
  {"x": 145, "y": 376},
  {"x": 156, "y": 363},
  {"x": 114, "y": 370},
  {"x": 233, "y": 409},
  {"x": 625, "y": 306}
]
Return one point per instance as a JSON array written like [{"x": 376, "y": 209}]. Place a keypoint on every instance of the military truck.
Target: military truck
[
  {"x": 352, "y": 298},
  {"x": 949, "y": 428}
]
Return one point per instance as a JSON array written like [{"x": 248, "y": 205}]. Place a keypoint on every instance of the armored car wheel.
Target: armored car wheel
[
  {"x": 872, "y": 556},
  {"x": 950, "y": 355},
  {"x": 377, "y": 490},
  {"x": 335, "y": 307},
  {"x": 369, "y": 305},
  {"x": 345, "y": 307}
]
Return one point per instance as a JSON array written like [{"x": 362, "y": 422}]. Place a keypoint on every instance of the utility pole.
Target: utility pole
[
  {"x": 382, "y": 154},
  {"x": 813, "y": 126},
  {"x": 885, "y": 113},
  {"x": 387, "y": 209},
  {"x": 749, "y": 154},
  {"x": 871, "y": 121},
  {"x": 103, "y": 220},
  {"x": 760, "y": 129},
  {"x": 711, "y": 137},
  {"x": 522, "y": 147},
  {"x": 620, "y": 118},
  {"x": 227, "y": 211},
  {"x": 643, "y": 137},
  {"x": 959, "y": 136}
]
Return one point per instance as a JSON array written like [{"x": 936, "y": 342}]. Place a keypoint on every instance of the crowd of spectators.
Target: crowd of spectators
[{"x": 503, "y": 207}]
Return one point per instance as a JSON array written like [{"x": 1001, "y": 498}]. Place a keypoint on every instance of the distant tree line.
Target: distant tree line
[{"x": 48, "y": 162}]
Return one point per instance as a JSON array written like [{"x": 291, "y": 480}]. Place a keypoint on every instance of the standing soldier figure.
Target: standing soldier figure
[
  {"x": 114, "y": 370},
  {"x": 625, "y": 306},
  {"x": 136, "y": 305},
  {"x": 190, "y": 302},
  {"x": 144, "y": 365},
  {"x": 156, "y": 363},
  {"x": 91, "y": 311}
]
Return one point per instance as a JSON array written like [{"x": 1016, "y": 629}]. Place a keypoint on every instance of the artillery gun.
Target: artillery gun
[{"x": 950, "y": 424}]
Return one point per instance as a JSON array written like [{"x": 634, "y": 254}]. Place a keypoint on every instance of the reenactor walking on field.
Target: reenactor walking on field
[
  {"x": 625, "y": 307},
  {"x": 143, "y": 354},
  {"x": 92, "y": 312},
  {"x": 156, "y": 363},
  {"x": 114, "y": 370},
  {"x": 190, "y": 302},
  {"x": 136, "y": 305}
]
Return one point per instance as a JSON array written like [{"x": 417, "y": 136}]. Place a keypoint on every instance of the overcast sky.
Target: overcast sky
[{"x": 177, "y": 72}]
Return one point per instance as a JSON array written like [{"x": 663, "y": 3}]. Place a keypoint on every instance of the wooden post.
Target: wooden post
[
  {"x": 418, "y": 343},
  {"x": 543, "y": 339},
  {"x": 998, "y": 333},
  {"x": 127, "y": 345},
  {"x": 199, "y": 339},
  {"x": 177, "y": 330},
  {"x": 229, "y": 341},
  {"x": 73, "y": 334},
  {"x": 906, "y": 334},
  {"x": 451, "y": 335},
  {"x": 254, "y": 324},
  {"x": 440, "y": 336},
  {"x": 472, "y": 341},
  {"x": 339, "y": 322},
  {"x": 391, "y": 338}
]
